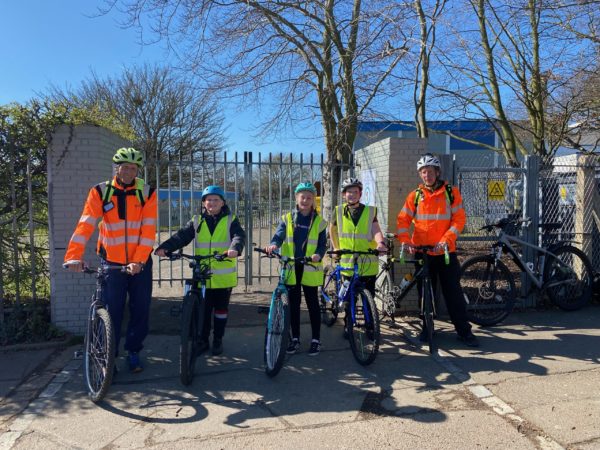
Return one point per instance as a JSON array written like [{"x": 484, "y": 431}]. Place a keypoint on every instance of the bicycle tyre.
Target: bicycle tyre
[
  {"x": 192, "y": 317},
  {"x": 488, "y": 289},
  {"x": 99, "y": 358},
  {"x": 566, "y": 296},
  {"x": 364, "y": 337},
  {"x": 329, "y": 310},
  {"x": 427, "y": 309},
  {"x": 277, "y": 337},
  {"x": 383, "y": 296}
]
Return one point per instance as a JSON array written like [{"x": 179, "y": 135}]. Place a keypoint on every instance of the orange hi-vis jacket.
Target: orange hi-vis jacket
[
  {"x": 435, "y": 219},
  {"x": 128, "y": 227}
]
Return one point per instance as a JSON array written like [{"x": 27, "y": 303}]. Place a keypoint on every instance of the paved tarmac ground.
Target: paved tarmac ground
[{"x": 532, "y": 384}]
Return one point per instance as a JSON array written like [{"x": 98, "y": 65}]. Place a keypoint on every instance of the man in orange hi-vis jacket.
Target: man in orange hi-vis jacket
[
  {"x": 435, "y": 208},
  {"x": 127, "y": 209}
]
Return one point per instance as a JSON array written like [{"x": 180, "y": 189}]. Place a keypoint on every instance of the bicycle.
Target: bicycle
[
  {"x": 277, "y": 331},
  {"x": 99, "y": 344},
  {"x": 362, "y": 318},
  {"x": 561, "y": 270},
  {"x": 386, "y": 293},
  {"x": 192, "y": 311}
]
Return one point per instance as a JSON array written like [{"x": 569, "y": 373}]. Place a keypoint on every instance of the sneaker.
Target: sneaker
[
  {"x": 470, "y": 340},
  {"x": 201, "y": 347},
  {"x": 217, "y": 347},
  {"x": 135, "y": 365},
  {"x": 293, "y": 347},
  {"x": 315, "y": 348}
]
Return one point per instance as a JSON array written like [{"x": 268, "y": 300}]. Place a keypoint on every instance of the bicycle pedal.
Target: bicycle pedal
[{"x": 176, "y": 310}]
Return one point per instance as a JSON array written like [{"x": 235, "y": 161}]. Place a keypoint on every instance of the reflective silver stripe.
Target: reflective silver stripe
[
  {"x": 457, "y": 208},
  {"x": 148, "y": 221},
  {"x": 401, "y": 230},
  {"x": 308, "y": 268},
  {"x": 88, "y": 219},
  {"x": 213, "y": 244},
  {"x": 113, "y": 241},
  {"x": 367, "y": 236},
  {"x": 420, "y": 216},
  {"x": 455, "y": 231},
  {"x": 312, "y": 241},
  {"x": 362, "y": 259},
  {"x": 408, "y": 212},
  {"x": 289, "y": 238},
  {"x": 114, "y": 226},
  {"x": 134, "y": 224},
  {"x": 223, "y": 271},
  {"x": 79, "y": 239},
  {"x": 146, "y": 241}
]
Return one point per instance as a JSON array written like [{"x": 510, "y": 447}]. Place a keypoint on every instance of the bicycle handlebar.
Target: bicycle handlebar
[
  {"x": 504, "y": 222},
  {"x": 91, "y": 270},
  {"x": 299, "y": 259},
  {"x": 355, "y": 252},
  {"x": 425, "y": 249},
  {"x": 171, "y": 256}
]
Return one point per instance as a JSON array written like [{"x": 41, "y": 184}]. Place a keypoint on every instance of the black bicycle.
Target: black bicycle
[
  {"x": 192, "y": 311},
  {"x": 427, "y": 294},
  {"x": 99, "y": 347}
]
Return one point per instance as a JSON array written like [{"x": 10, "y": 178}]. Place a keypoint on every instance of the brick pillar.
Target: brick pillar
[
  {"x": 393, "y": 163},
  {"x": 78, "y": 158}
]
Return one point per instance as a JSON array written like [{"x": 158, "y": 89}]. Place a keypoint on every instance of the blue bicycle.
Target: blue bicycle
[
  {"x": 349, "y": 293},
  {"x": 277, "y": 332}
]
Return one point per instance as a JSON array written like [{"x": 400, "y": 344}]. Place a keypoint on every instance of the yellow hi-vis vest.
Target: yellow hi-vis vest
[
  {"x": 312, "y": 276},
  {"x": 224, "y": 273},
  {"x": 357, "y": 237}
]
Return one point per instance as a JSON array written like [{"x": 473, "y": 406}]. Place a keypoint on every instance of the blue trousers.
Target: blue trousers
[{"x": 139, "y": 287}]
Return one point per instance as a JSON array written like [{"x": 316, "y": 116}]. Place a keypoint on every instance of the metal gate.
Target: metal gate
[{"x": 259, "y": 189}]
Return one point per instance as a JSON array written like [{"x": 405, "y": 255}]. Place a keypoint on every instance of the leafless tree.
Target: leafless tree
[
  {"x": 327, "y": 60},
  {"x": 169, "y": 117}
]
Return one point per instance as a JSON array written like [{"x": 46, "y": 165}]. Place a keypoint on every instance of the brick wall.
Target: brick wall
[{"x": 78, "y": 158}]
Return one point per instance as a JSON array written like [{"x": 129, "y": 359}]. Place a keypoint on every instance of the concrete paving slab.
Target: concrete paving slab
[{"x": 18, "y": 365}]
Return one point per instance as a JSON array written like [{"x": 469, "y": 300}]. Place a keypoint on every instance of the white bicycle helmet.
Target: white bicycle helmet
[
  {"x": 351, "y": 182},
  {"x": 428, "y": 160}
]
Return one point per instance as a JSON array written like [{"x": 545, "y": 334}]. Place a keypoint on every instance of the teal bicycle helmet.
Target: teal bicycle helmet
[
  {"x": 307, "y": 186},
  {"x": 128, "y": 155},
  {"x": 213, "y": 190}
]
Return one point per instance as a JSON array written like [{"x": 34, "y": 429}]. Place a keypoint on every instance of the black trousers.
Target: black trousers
[
  {"x": 449, "y": 278},
  {"x": 216, "y": 308},
  {"x": 311, "y": 296}
]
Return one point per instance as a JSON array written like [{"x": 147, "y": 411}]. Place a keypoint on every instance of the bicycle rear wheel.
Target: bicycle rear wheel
[
  {"x": 427, "y": 310},
  {"x": 488, "y": 289},
  {"x": 192, "y": 317},
  {"x": 329, "y": 309},
  {"x": 99, "y": 358},
  {"x": 569, "y": 278},
  {"x": 363, "y": 328},
  {"x": 277, "y": 333},
  {"x": 384, "y": 297}
]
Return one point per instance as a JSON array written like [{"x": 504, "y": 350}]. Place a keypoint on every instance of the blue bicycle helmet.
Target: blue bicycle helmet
[
  {"x": 213, "y": 190},
  {"x": 307, "y": 186}
]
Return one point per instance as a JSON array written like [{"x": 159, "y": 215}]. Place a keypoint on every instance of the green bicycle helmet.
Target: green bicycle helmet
[
  {"x": 128, "y": 155},
  {"x": 307, "y": 186}
]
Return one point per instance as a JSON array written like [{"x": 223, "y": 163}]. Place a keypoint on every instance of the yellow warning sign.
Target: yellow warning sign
[
  {"x": 563, "y": 193},
  {"x": 495, "y": 190}
]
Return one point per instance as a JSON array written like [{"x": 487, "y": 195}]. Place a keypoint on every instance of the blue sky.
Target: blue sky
[{"x": 57, "y": 42}]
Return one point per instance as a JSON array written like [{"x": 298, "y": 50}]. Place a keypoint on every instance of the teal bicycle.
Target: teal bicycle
[{"x": 277, "y": 332}]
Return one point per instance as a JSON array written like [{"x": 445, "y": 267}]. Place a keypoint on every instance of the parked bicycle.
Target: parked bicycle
[
  {"x": 99, "y": 346},
  {"x": 560, "y": 270},
  {"x": 277, "y": 332},
  {"x": 192, "y": 311},
  {"x": 362, "y": 319},
  {"x": 387, "y": 294}
]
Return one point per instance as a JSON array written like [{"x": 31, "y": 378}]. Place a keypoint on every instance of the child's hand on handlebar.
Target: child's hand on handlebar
[
  {"x": 232, "y": 253},
  {"x": 270, "y": 249}
]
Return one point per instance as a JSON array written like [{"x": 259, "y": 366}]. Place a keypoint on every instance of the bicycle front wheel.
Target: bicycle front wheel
[
  {"x": 568, "y": 278},
  {"x": 277, "y": 333},
  {"x": 488, "y": 288},
  {"x": 99, "y": 358},
  {"x": 363, "y": 328},
  {"x": 192, "y": 317},
  {"x": 329, "y": 309},
  {"x": 427, "y": 311}
]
